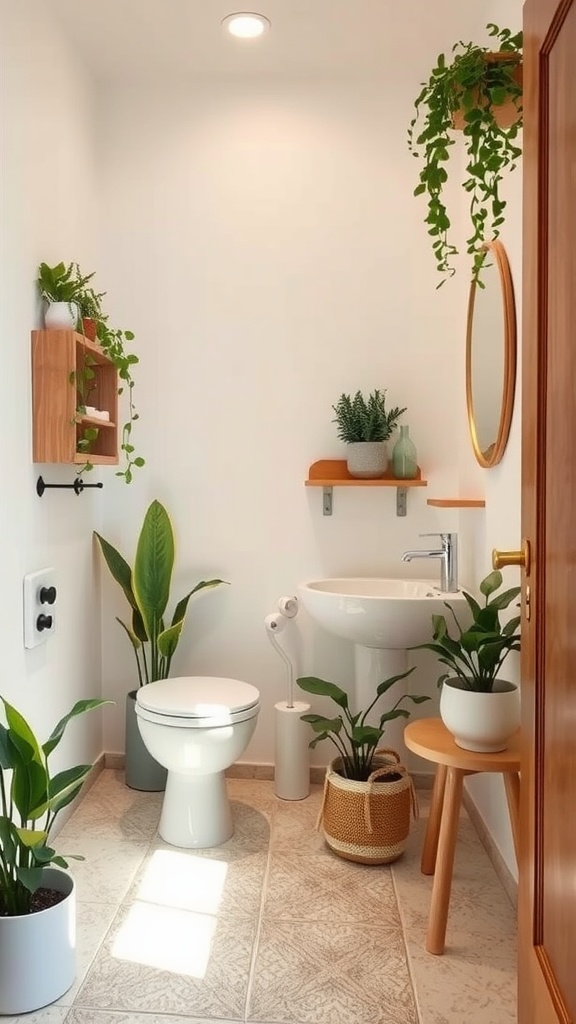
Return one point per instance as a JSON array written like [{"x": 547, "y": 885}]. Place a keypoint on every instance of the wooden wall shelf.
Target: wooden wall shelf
[
  {"x": 57, "y": 428},
  {"x": 329, "y": 473},
  {"x": 456, "y": 502}
]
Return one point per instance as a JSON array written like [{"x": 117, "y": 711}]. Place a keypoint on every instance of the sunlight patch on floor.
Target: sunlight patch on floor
[{"x": 171, "y": 924}]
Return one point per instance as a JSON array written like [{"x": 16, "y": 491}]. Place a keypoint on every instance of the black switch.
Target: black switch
[
  {"x": 47, "y": 595},
  {"x": 43, "y": 622}
]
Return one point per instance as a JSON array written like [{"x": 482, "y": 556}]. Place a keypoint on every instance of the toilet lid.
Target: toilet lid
[{"x": 197, "y": 696}]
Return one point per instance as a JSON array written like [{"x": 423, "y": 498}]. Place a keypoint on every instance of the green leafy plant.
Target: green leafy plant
[
  {"x": 355, "y": 741},
  {"x": 359, "y": 419},
  {"x": 30, "y": 800},
  {"x": 147, "y": 590},
  {"x": 62, "y": 283},
  {"x": 477, "y": 84},
  {"x": 476, "y": 655}
]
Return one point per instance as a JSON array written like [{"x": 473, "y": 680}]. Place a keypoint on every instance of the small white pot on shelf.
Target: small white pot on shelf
[
  {"x": 483, "y": 722},
  {"x": 367, "y": 460},
  {"x": 61, "y": 316}
]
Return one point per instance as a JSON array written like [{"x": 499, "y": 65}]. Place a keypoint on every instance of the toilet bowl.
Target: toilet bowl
[{"x": 196, "y": 727}]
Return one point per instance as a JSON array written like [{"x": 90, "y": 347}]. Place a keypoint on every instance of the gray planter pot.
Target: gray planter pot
[
  {"x": 142, "y": 770},
  {"x": 367, "y": 460}
]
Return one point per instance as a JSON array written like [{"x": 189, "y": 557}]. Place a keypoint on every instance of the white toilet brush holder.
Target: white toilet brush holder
[
  {"x": 291, "y": 734},
  {"x": 291, "y": 751}
]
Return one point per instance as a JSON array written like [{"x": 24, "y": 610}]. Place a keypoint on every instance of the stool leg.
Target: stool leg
[
  {"x": 428, "y": 861},
  {"x": 438, "y": 920},
  {"x": 512, "y": 785}
]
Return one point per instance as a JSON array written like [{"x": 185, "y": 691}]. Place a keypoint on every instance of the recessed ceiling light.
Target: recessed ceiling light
[{"x": 246, "y": 25}]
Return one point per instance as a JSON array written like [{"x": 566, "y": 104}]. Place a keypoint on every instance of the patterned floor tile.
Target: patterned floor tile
[
  {"x": 220, "y": 881},
  {"x": 295, "y": 825},
  {"x": 304, "y": 888},
  {"x": 108, "y": 867},
  {"x": 320, "y": 974},
  {"x": 92, "y": 922},
  {"x": 113, "y": 811},
  {"x": 48, "y": 1015},
  {"x": 163, "y": 960},
  {"x": 80, "y": 1016}
]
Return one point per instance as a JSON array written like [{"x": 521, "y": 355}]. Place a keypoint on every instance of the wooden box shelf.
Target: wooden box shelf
[{"x": 58, "y": 359}]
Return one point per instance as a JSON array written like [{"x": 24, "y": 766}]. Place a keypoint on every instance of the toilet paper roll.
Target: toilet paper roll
[
  {"x": 288, "y": 606},
  {"x": 275, "y": 623},
  {"x": 292, "y": 753}
]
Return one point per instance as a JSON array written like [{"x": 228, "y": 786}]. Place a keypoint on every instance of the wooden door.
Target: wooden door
[{"x": 547, "y": 897}]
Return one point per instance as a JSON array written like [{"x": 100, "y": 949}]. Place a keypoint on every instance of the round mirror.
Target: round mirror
[{"x": 491, "y": 357}]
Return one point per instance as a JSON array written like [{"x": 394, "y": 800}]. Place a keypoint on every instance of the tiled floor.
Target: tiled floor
[{"x": 272, "y": 927}]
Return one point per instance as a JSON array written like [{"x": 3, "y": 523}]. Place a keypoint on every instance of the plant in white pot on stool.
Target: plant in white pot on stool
[
  {"x": 153, "y": 640},
  {"x": 365, "y": 425},
  {"x": 481, "y": 710},
  {"x": 367, "y": 792},
  {"x": 37, "y": 911}
]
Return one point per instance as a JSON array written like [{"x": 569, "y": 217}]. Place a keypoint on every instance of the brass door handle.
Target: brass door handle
[{"x": 520, "y": 558}]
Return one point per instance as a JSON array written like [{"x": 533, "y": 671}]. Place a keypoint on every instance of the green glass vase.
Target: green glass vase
[{"x": 404, "y": 457}]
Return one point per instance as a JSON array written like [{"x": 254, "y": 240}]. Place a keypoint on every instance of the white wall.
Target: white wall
[
  {"x": 499, "y": 526},
  {"x": 48, "y": 213}
]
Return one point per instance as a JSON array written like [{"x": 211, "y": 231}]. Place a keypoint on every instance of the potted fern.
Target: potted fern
[
  {"x": 37, "y": 918},
  {"x": 477, "y": 706},
  {"x": 480, "y": 91},
  {"x": 365, "y": 425},
  {"x": 146, "y": 587},
  {"x": 368, "y": 793}
]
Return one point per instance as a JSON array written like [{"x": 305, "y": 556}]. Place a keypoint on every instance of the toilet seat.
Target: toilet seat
[{"x": 197, "y": 702}]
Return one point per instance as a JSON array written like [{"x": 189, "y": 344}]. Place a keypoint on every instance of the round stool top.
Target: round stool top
[
  {"x": 197, "y": 696},
  {"x": 430, "y": 738}
]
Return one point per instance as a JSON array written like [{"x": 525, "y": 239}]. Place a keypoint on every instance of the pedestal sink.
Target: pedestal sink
[{"x": 382, "y": 617}]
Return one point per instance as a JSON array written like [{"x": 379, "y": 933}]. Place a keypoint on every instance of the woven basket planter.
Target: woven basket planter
[{"x": 369, "y": 822}]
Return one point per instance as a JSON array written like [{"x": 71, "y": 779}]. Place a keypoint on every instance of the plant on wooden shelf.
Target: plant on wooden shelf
[
  {"x": 146, "y": 587},
  {"x": 365, "y": 425},
  {"x": 62, "y": 287},
  {"x": 68, "y": 281},
  {"x": 481, "y": 85},
  {"x": 366, "y": 809},
  {"x": 472, "y": 688}
]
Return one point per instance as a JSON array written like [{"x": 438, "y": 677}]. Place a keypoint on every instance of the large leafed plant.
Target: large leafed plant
[
  {"x": 30, "y": 799},
  {"x": 146, "y": 587}
]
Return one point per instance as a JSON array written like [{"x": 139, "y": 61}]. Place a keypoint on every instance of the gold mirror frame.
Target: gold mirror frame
[{"x": 492, "y": 455}]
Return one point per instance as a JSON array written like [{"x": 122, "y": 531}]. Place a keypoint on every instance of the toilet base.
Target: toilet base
[{"x": 196, "y": 813}]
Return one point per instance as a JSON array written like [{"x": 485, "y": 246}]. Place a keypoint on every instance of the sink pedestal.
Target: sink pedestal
[{"x": 373, "y": 665}]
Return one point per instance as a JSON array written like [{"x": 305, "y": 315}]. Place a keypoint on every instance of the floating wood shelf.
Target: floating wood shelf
[
  {"x": 456, "y": 502},
  {"x": 58, "y": 360},
  {"x": 329, "y": 473}
]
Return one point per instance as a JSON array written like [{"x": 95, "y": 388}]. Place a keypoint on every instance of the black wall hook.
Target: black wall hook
[{"x": 78, "y": 486}]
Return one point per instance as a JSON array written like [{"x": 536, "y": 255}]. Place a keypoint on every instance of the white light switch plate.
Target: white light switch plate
[{"x": 39, "y": 610}]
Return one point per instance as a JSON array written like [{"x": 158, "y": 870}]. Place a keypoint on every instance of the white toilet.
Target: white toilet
[{"x": 196, "y": 727}]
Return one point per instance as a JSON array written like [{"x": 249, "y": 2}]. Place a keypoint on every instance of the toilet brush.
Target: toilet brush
[{"x": 291, "y": 735}]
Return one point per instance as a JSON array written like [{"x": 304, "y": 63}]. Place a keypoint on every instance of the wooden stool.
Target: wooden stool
[{"x": 430, "y": 738}]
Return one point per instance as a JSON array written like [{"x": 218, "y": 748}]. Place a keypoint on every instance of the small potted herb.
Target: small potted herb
[
  {"x": 61, "y": 287},
  {"x": 482, "y": 92},
  {"x": 479, "y": 708},
  {"x": 368, "y": 793},
  {"x": 365, "y": 425}
]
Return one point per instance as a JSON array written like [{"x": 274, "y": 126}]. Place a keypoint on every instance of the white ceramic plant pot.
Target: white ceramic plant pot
[
  {"x": 483, "y": 722},
  {"x": 367, "y": 460},
  {"x": 61, "y": 316},
  {"x": 38, "y": 951}
]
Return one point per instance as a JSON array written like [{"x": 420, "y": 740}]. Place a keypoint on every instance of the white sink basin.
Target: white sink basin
[{"x": 375, "y": 612}]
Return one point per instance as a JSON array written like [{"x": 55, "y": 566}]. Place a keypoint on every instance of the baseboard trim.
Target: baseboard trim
[
  {"x": 509, "y": 883},
  {"x": 117, "y": 762}
]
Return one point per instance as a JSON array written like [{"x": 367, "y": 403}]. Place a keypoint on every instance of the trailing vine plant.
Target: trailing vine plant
[{"x": 476, "y": 84}]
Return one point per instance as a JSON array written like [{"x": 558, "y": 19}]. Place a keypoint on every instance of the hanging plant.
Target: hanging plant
[{"x": 476, "y": 87}]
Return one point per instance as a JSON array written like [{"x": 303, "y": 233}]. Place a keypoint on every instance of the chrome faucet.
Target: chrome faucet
[{"x": 448, "y": 555}]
